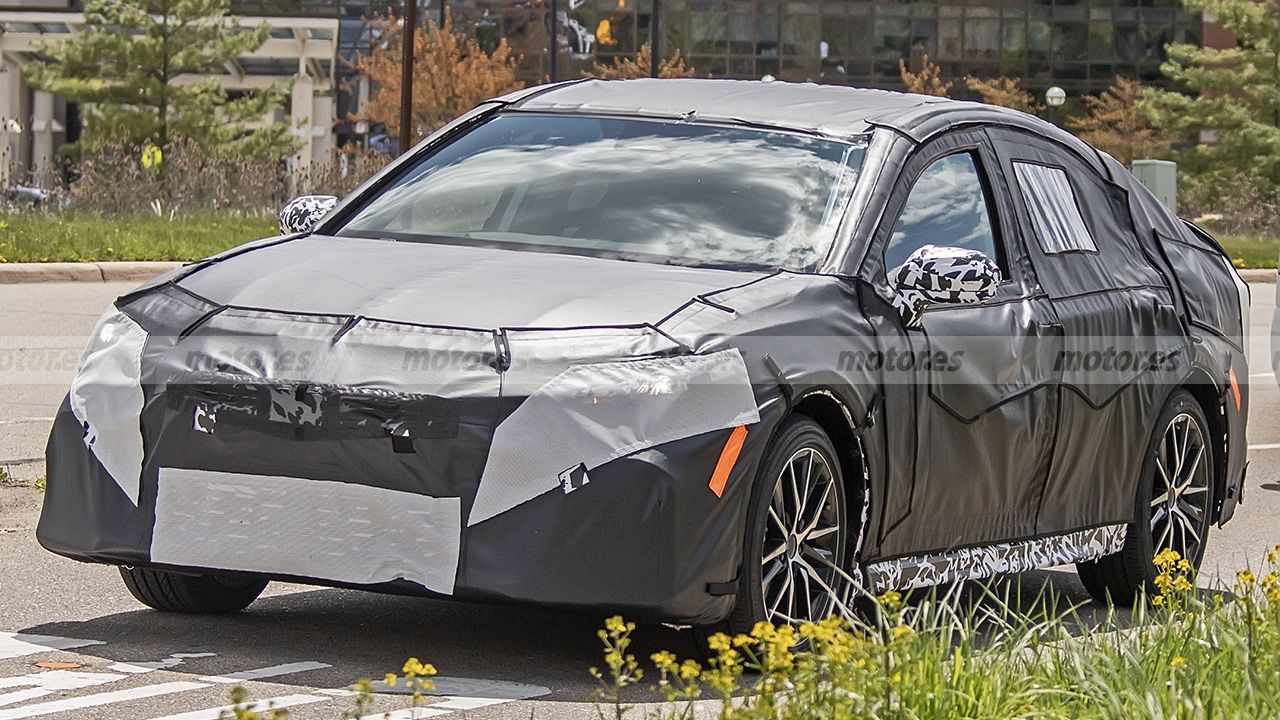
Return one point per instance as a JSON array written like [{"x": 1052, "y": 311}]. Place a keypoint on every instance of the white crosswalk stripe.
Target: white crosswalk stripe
[
  {"x": 14, "y": 645},
  {"x": 26, "y": 695},
  {"x": 18, "y": 696},
  {"x": 98, "y": 700},
  {"x": 258, "y": 706}
]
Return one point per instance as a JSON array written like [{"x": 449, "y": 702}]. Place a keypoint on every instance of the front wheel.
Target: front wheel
[
  {"x": 799, "y": 531},
  {"x": 1174, "y": 505},
  {"x": 193, "y": 594}
]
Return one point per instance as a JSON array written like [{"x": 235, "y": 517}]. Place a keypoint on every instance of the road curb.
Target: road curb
[
  {"x": 16, "y": 273},
  {"x": 1258, "y": 276}
]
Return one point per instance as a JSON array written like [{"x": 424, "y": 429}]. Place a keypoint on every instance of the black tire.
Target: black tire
[
  {"x": 192, "y": 594},
  {"x": 1124, "y": 576},
  {"x": 797, "y": 434}
]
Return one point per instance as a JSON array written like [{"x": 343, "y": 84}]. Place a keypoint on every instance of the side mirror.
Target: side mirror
[
  {"x": 942, "y": 275},
  {"x": 302, "y": 213}
]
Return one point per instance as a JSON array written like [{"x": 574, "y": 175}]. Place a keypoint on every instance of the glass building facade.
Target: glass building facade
[{"x": 1080, "y": 45}]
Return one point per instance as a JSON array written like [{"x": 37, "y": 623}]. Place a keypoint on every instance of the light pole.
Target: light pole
[
  {"x": 406, "y": 76},
  {"x": 1055, "y": 97}
]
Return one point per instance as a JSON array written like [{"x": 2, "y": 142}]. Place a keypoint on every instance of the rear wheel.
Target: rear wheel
[
  {"x": 799, "y": 531},
  {"x": 194, "y": 594},
  {"x": 1174, "y": 505}
]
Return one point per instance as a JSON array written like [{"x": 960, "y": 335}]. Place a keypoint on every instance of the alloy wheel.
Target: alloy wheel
[
  {"x": 804, "y": 542},
  {"x": 1179, "y": 506}
]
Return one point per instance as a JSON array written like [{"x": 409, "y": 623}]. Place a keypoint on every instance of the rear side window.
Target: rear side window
[{"x": 1055, "y": 214}]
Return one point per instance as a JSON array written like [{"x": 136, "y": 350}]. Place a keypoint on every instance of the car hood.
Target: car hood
[{"x": 452, "y": 285}]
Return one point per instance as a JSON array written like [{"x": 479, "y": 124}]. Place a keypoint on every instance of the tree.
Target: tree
[
  {"x": 1114, "y": 124},
  {"x": 451, "y": 75},
  {"x": 124, "y": 66},
  {"x": 1234, "y": 114},
  {"x": 640, "y": 66},
  {"x": 1005, "y": 92},
  {"x": 928, "y": 81}
]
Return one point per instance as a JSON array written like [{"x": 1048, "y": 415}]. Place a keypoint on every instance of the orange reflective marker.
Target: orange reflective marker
[
  {"x": 1235, "y": 386},
  {"x": 728, "y": 457}
]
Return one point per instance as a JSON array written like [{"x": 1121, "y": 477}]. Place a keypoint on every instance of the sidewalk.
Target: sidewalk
[{"x": 13, "y": 273}]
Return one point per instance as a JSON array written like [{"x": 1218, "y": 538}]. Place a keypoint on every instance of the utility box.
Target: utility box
[{"x": 1161, "y": 178}]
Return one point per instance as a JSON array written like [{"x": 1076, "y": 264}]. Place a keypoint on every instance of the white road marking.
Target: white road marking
[
  {"x": 408, "y": 714},
  {"x": 465, "y": 687},
  {"x": 99, "y": 699},
  {"x": 23, "y": 695},
  {"x": 468, "y": 703},
  {"x": 1259, "y": 376},
  {"x": 173, "y": 660},
  {"x": 20, "y": 421},
  {"x": 61, "y": 680},
  {"x": 450, "y": 704},
  {"x": 14, "y": 645},
  {"x": 267, "y": 672},
  {"x": 1265, "y": 446},
  {"x": 259, "y": 706}
]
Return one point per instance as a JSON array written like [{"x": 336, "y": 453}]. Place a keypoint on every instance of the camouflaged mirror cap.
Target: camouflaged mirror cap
[{"x": 304, "y": 212}]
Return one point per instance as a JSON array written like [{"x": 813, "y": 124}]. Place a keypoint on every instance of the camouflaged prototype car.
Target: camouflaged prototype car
[{"x": 700, "y": 351}]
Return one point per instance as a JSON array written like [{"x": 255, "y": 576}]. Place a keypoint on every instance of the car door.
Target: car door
[
  {"x": 1123, "y": 342},
  {"x": 979, "y": 377}
]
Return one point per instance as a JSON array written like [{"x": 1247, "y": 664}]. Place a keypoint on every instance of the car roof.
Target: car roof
[{"x": 834, "y": 110}]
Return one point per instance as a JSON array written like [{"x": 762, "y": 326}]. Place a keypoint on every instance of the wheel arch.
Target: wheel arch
[
  {"x": 1208, "y": 395},
  {"x": 836, "y": 419}
]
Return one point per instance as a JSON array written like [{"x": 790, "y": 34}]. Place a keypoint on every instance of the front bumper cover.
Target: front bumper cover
[{"x": 346, "y": 469}]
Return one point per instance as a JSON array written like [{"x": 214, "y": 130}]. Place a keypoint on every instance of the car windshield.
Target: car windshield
[{"x": 647, "y": 190}]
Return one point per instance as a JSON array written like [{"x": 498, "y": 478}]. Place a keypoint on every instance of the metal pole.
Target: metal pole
[
  {"x": 444, "y": 12},
  {"x": 655, "y": 39},
  {"x": 406, "y": 76},
  {"x": 554, "y": 48}
]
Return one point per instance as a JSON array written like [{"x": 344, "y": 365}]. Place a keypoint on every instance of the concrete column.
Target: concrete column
[
  {"x": 322, "y": 142},
  {"x": 301, "y": 111},
  {"x": 14, "y": 121},
  {"x": 43, "y": 127}
]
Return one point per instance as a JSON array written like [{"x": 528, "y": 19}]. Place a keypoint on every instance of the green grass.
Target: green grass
[
  {"x": 47, "y": 237},
  {"x": 1251, "y": 252}
]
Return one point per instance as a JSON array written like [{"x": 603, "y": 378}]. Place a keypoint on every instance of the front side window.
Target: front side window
[
  {"x": 648, "y": 190},
  {"x": 947, "y": 207}
]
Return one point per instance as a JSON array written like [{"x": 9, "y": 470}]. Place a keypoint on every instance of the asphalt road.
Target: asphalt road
[{"x": 303, "y": 645}]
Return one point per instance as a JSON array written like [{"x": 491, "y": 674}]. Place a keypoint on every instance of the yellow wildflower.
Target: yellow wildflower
[
  {"x": 390, "y": 679},
  {"x": 1178, "y": 661},
  {"x": 664, "y": 660},
  {"x": 1246, "y": 578},
  {"x": 719, "y": 642}
]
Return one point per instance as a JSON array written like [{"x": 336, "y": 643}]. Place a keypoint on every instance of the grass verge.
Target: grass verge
[
  {"x": 1186, "y": 653},
  {"x": 48, "y": 237},
  {"x": 1251, "y": 252}
]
